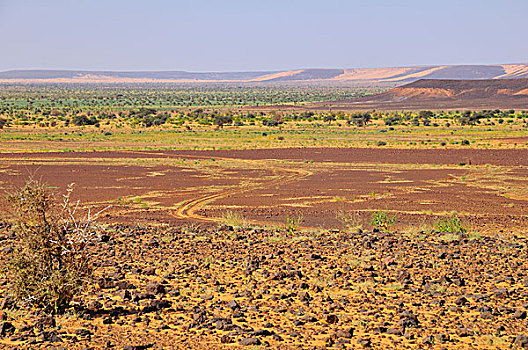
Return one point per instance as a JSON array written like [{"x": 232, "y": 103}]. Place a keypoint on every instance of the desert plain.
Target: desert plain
[{"x": 301, "y": 227}]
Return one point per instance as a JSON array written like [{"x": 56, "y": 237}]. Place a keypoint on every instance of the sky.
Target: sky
[{"x": 259, "y": 35}]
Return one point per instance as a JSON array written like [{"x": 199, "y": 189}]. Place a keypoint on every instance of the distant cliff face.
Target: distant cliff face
[
  {"x": 446, "y": 94},
  {"x": 453, "y": 89}
]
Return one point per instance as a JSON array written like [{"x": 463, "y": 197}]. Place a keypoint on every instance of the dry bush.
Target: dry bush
[
  {"x": 234, "y": 219},
  {"x": 350, "y": 220},
  {"x": 50, "y": 263}
]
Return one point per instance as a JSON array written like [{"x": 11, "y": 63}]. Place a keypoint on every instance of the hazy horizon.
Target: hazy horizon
[
  {"x": 243, "y": 36},
  {"x": 252, "y": 71}
]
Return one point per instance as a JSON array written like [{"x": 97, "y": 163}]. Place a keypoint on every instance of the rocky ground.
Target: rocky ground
[{"x": 228, "y": 288}]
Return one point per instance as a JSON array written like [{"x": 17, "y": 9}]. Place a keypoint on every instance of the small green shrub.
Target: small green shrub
[
  {"x": 292, "y": 223},
  {"x": 452, "y": 224},
  {"x": 382, "y": 220}
]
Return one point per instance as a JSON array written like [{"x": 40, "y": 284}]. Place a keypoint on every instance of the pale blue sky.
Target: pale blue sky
[{"x": 242, "y": 35}]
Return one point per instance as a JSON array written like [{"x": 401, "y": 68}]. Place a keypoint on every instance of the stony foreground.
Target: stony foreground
[{"x": 229, "y": 288}]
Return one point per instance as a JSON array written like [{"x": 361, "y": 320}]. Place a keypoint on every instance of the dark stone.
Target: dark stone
[
  {"x": 365, "y": 342},
  {"x": 308, "y": 318},
  {"x": 155, "y": 288},
  {"x": 408, "y": 319},
  {"x": 332, "y": 319},
  {"x": 149, "y": 272},
  {"x": 261, "y": 333},
  {"x": 45, "y": 321},
  {"x": 442, "y": 338},
  {"x": 105, "y": 283},
  {"x": 501, "y": 293},
  {"x": 250, "y": 341},
  {"x": 6, "y": 328},
  {"x": 429, "y": 340},
  {"x": 226, "y": 339},
  {"x": 379, "y": 329},
  {"x": 51, "y": 337},
  {"x": 461, "y": 301},
  {"x": 137, "y": 347},
  {"x": 395, "y": 331},
  {"x": 125, "y": 294},
  {"x": 521, "y": 340},
  {"x": 345, "y": 333},
  {"x": 81, "y": 332},
  {"x": 156, "y": 305},
  {"x": 486, "y": 316},
  {"x": 520, "y": 315},
  {"x": 123, "y": 285},
  {"x": 233, "y": 305},
  {"x": 404, "y": 277}
]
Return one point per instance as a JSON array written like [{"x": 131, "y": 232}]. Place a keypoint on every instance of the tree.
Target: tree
[
  {"x": 329, "y": 118},
  {"x": 221, "y": 120},
  {"x": 360, "y": 119},
  {"x": 80, "y": 120},
  {"x": 426, "y": 114}
]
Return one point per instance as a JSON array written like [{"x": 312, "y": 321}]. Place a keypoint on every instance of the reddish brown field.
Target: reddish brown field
[{"x": 265, "y": 186}]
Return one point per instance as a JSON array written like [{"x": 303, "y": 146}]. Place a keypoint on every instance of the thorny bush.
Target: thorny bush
[{"x": 50, "y": 263}]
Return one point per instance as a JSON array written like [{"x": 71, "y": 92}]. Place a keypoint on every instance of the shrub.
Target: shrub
[
  {"x": 81, "y": 120},
  {"x": 350, "y": 220},
  {"x": 292, "y": 223},
  {"x": 382, "y": 220},
  {"x": 271, "y": 122},
  {"x": 452, "y": 224},
  {"x": 50, "y": 263},
  {"x": 234, "y": 219}
]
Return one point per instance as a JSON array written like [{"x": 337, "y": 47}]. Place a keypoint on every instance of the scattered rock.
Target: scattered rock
[
  {"x": 82, "y": 332},
  {"x": 521, "y": 340},
  {"x": 250, "y": 341},
  {"x": 6, "y": 328},
  {"x": 345, "y": 333},
  {"x": 155, "y": 288},
  {"x": 332, "y": 319}
]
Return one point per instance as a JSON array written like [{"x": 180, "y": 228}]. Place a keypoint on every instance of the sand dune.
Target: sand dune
[{"x": 386, "y": 75}]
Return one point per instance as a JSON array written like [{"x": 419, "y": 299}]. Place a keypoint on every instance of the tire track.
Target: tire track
[{"x": 187, "y": 210}]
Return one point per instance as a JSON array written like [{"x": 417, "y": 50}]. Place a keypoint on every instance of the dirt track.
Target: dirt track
[{"x": 265, "y": 186}]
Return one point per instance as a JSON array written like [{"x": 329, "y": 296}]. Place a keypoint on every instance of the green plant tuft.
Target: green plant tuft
[
  {"x": 382, "y": 220},
  {"x": 292, "y": 223},
  {"x": 451, "y": 224}
]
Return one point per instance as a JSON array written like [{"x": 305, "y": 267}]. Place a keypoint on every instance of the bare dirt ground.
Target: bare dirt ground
[{"x": 487, "y": 187}]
